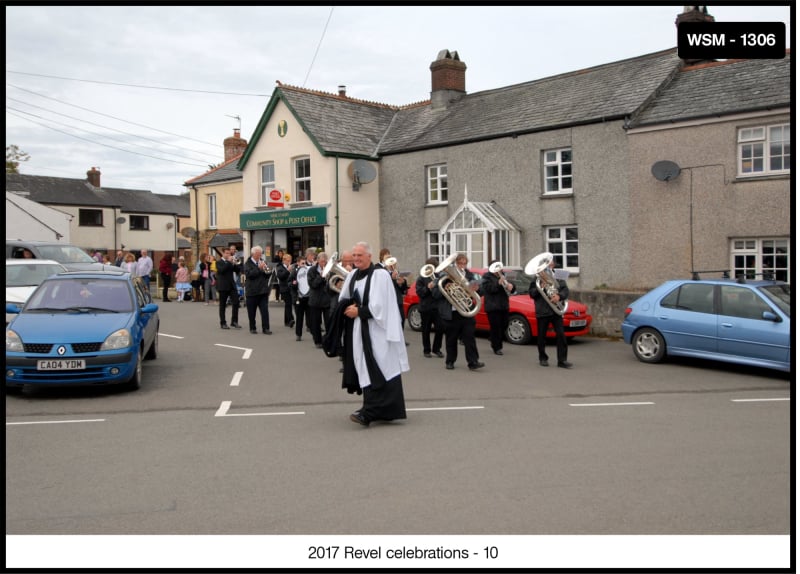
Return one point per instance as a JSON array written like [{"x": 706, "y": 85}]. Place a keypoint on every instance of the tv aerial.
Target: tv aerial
[{"x": 238, "y": 119}]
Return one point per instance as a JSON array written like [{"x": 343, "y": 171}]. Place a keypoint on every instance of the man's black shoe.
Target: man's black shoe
[
  {"x": 439, "y": 354},
  {"x": 299, "y": 338},
  {"x": 236, "y": 325},
  {"x": 449, "y": 366},
  {"x": 544, "y": 362},
  {"x": 291, "y": 324},
  {"x": 476, "y": 366},
  {"x": 498, "y": 352},
  {"x": 318, "y": 345},
  {"x": 427, "y": 355},
  {"x": 565, "y": 365},
  {"x": 224, "y": 327},
  {"x": 267, "y": 332},
  {"x": 359, "y": 418},
  {"x": 254, "y": 332}
]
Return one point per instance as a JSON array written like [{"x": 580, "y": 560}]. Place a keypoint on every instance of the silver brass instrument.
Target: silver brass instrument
[
  {"x": 497, "y": 269},
  {"x": 545, "y": 280},
  {"x": 456, "y": 289},
  {"x": 336, "y": 272},
  {"x": 428, "y": 271},
  {"x": 390, "y": 263}
]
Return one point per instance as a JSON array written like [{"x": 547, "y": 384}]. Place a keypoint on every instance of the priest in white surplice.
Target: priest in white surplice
[{"x": 374, "y": 346}]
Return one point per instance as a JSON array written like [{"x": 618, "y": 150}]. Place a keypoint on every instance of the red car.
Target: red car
[{"x": 522, "y": 314}]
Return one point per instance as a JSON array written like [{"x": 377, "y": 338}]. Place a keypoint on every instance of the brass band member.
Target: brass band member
[
  {"x": 496, "y": 290},
  {"x": 429, "y": 314},
  {"x": 545, "y": 315},
  {"x": 257, "y": 289}
]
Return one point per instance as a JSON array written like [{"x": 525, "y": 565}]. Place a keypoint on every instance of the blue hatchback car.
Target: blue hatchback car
[
  {"x": 736, "y": 321},
  {"x": 82, "y": 328}
]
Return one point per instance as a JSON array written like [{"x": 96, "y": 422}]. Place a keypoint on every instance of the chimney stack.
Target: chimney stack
[
  {"x": 93, "y": 175},
  {"x": 693, "y": 14},
  {"x": 448, "y": 79},
  {"x": 235, "y": 145},
  {"x": 342, "y": 91}
]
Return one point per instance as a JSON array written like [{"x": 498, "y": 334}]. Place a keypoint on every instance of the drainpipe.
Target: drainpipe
[{"x": 336, "y": 217}]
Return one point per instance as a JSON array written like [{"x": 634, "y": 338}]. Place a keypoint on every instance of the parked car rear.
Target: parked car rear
[{"x": 70, "y": 256}]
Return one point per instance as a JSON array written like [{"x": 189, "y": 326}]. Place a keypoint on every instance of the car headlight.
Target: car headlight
[
  {"x": 13, "y": 342},
  {"x": 117, "y": 340}
]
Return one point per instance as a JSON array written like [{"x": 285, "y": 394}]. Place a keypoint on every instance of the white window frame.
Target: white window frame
[
  {"x": 758, "y": 144},
  {"x": 301, "y": 180},
  {"x": 436, "y": 184},
  {"x": 560, "y": 171},
  {"x": 212, "y": 210},
  {"x": 752, "y": 256},
  {"x": 563, "y": 243},
  {"x": 268, "y": 182},
  {"x": 433, "y": 245}
]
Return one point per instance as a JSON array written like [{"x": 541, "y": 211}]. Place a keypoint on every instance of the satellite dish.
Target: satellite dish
[
  {"x": 121, "y": 220},
  {"x": 665, "y": 170},
  {"x": 361, "y": 171},
  {"x": 188, "y": 232}
]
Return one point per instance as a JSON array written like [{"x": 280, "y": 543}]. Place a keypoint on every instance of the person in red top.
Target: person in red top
[{"x": 165, "y": 270}]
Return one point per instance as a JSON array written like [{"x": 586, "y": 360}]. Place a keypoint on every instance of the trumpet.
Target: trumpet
[
  {"x": 456, "y": 289},
  {"x": 336, "y": 272}
]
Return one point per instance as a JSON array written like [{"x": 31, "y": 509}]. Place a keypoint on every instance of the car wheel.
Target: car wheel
[
  {"x": 649, "y": 345},
  {"x": 414, "y": 318},
  {"x": 518, "y": 331},
  {"x": 152, "y": 352},
  {"x": 136, "y": 379}
]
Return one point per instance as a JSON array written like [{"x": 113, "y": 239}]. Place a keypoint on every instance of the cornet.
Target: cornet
[
  {"x": 456, "y": 289},
  {"x": 497, "y": 269},
  {"x": 336, "y": 272}
]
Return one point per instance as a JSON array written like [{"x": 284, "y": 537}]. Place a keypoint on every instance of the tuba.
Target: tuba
[
  {"x": 545, "y": 280},
  {"x": 337, "y": 273},
  {"x": 456, "y": 289}
]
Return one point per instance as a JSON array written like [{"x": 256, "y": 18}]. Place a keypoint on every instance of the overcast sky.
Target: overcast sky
[{"x": 84, "y": 83}]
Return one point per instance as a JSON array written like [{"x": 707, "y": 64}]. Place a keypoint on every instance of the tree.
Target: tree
[{"x": 14, "y": 155}]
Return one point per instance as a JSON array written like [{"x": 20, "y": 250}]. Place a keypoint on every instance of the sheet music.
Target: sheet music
[{"x": 561, "y": 274}]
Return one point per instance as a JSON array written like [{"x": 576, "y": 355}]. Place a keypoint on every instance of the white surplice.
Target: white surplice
[{"x": 385, "y": 327}]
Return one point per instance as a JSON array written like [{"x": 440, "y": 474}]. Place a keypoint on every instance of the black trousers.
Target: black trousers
[
  {"x": 258, "y": 303},
  {"x": 463, "y": 328},
  {"x": 498, "y": 321},
  {"x": 300, "y": 310},
  {"x": 316, "y": 316},
  {"x": 288, "y": 313},
  {"x": 165, "y": 279},
  {"x": 431, "y": 321},
  {"x": 223, "y": 300},
  {"x": 541, "y": 337}
]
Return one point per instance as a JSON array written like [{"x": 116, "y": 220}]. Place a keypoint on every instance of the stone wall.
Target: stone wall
[{"x": 607, "y": 309}]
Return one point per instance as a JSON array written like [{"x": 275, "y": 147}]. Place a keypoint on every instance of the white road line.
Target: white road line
[
  {"x": 757, "y": 400},
  {"x": 57, "y": 422},
  {"x": 237, "y": 376},
  {"x": 170, "y": 336},
  {"x": 444, "y": 408},
  {"x": 608, "y": 404},
  {"x": 224, "y": 406},
  {"x": 247, "y": 352}
]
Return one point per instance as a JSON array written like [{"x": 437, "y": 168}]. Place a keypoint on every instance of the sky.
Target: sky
[{"x": 147, "y": 94}]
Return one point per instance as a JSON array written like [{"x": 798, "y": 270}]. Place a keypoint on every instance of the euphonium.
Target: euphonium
[
  {"x": 337, "y": 273},
  {"x": 390, "y": 263},
  {"x": 456, "y": 290},
  {"x": 545, "y": 281}
]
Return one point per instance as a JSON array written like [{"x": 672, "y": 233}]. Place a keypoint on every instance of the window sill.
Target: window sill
[
  {"x": 436, "y": 204},
  {"x": 759, "y": 177},
  {"x": 557, "y": 194}
]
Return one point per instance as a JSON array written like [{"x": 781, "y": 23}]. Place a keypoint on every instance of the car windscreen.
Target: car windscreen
[
  {"x": 30, "y": 275},
  {"x": 781, "y": 295},
  {"x": 65, "y": 254},
  {"x": 68, "y": 294}
]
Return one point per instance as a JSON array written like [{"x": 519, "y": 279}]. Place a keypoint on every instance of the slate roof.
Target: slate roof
[
  {"x": 222, "y": 173},
  {"x": 79, "y": 192},
  {"x": 602, "y": 93},
  {"x": 347, "y": 126},
  {"x": 732, "y": 86}
]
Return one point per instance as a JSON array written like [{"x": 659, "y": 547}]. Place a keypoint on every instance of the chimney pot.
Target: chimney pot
[{"x": 342, "y": 91}]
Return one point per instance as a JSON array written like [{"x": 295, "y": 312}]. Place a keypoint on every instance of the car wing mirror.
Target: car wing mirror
[
  {"x": 12, "y": 308},
  {"x": 770, "y": 316}
]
